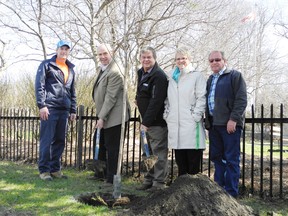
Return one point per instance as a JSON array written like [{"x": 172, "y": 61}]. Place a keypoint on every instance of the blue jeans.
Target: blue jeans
[
  {"x": 225, "y": 153},
  {"x": 52, "y": 141}
]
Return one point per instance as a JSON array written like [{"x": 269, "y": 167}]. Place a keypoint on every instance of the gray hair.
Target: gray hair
[
  {"x": 146, "y": 49},
  {"x": 217, "y": 51},
  {"x": 107, "y": 46},
  {"x": 183, "y": 51}
]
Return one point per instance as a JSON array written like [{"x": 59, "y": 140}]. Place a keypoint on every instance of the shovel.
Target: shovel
[
  {"x": 97, "y": 144},
  {"x": 150, "y": 160},
  {"x": 98, "y": 166}
]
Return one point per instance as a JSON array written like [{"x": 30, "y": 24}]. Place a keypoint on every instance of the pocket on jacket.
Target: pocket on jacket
[
  {"x": 49, "y": 97},
  {"x": 196, "y": 117},
  {"x": 166, "y": 109},
  {"x": 166, "y": 114}
]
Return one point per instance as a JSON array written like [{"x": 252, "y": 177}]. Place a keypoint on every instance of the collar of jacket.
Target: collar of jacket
[
  {"x": 53, "y": 60},
  {"x": 112, "y": 62},
  {"x": 189, "y": 68},
  {"x": 226, "y": 71},
  {"x": 153, "y": 71}
]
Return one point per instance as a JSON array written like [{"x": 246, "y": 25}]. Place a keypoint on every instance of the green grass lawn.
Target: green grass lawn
[
  {"x": 265, "y": 208},
  {"x": 23, "y": 193},
  {"x": 266, "y": 150}
]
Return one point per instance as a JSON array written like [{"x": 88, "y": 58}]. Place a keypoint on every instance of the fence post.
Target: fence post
[{"x": 80, "y": 136}]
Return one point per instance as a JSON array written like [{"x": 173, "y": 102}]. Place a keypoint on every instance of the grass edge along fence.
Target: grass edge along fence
[{"x": 264, "y": 147}]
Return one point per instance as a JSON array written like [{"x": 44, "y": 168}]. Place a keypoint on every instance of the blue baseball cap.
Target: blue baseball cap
[{"x": 63, "y": 43}]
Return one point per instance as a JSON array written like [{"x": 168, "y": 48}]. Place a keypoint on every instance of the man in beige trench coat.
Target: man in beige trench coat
[{"x": 108, "y": 97}]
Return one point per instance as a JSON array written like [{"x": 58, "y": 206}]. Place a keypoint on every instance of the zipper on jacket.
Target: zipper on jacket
[
  {"x": 178, "y": 128},
  {"x": 153, "y": 91}
]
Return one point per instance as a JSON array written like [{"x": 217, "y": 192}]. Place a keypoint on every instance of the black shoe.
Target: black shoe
[
  {"x": 96, "y": 178},
  {"x": 156, "y": 188},
  {"x": 144, "y": 187},
  {"x": 106, "y": 185}
]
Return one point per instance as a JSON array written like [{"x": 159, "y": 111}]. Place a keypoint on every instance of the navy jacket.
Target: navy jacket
[
  {"x": 150, "y": 97},
  {"x": 50, "y": 89},
  {"x": 230, "y": 99}
]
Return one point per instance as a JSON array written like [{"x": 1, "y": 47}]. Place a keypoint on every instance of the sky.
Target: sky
[{"x": 281, "y": 7}]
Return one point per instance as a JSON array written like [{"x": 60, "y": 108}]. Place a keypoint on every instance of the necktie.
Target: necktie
[{"x": 100, "y": 74}]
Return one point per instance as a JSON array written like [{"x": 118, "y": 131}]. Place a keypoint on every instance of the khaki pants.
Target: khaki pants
[{"x": 159, "y": 145}]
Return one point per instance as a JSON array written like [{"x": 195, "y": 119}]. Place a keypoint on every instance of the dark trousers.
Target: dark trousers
[
  {"x": 225, "y": 153},
  {"x": 188, "y": 161},
  {"x": 52, "y": 141},
  {"x": 102, "y": 149},
  {"x": 112, "y": 143}
]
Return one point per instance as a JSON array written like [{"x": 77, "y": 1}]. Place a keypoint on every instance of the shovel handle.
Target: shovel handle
[
  {"x": 97, "y": 144},
  {"x": 145, "y": 143}
]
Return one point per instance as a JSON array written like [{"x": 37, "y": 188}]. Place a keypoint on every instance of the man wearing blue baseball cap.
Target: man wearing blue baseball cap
[
  {"x": 56, "y": 100},
  {"x": 63, "y": 43}
]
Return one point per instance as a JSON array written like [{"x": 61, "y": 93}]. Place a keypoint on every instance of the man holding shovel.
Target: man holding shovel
[
  {"x": 108, "y": 98},
  {"x": 150, "y": 97}
]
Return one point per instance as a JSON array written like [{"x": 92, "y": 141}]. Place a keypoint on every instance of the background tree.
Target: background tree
[{"x": 202, "y": 25}]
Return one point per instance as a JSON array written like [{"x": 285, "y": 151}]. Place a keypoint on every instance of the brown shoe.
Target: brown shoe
[
  {"x": 59, "y": 174},
  {"x": 46, "y": 176}
]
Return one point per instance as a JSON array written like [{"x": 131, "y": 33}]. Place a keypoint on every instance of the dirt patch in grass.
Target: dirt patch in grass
[
  {"x": 104, "y": 199},
  {"x": 188, "y": 195}
]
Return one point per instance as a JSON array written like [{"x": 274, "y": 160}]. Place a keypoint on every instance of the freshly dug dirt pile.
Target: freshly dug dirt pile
[{"x": 188, "y": 195}]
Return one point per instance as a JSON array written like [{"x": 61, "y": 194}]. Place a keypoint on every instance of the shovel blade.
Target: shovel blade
[
  {"x": 116, "y": 186},
  {"x": 149, "y": 162}
]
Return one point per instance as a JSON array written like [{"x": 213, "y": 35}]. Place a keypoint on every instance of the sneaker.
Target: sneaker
[
  {"x": 144, "y": 187},
  {"x": 59, "y": 174},
  {"x": 46, "y": 176}
]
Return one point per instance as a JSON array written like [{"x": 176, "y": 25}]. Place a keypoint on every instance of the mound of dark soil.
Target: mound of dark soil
[{"x": 188, "y": 195}]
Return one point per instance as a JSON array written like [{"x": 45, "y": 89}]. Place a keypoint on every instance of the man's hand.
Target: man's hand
[
  {"x": 73, "y": 116},
  {"x": 143, "y": 127},
  {"x": 100, "y": 123},
  {"x": 44, "y": 113},
  {"x": 231, "y": 126}
]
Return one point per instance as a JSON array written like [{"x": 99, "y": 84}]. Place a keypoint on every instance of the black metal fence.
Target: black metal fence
[{"x": 264, "y": 161}]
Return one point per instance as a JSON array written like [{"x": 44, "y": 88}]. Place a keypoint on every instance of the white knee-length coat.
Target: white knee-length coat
[{"x": 185, "y": 106}]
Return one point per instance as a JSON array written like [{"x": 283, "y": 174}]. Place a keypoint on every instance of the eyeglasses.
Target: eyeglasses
[
  {"x": 183, "y": 58},
  {"x": 216, "y": 60}
]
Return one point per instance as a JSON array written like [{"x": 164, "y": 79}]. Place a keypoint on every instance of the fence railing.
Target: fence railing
[{"x": 264, "y": 159}]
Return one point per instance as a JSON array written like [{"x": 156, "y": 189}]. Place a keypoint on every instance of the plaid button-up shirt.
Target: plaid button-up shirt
[{"x": 211, "y": 96}]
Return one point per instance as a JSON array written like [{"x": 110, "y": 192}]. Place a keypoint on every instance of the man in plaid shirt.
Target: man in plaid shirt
[{"x": 226, "y": 103}]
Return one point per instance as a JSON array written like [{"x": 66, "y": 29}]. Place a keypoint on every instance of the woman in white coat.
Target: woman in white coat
[{"x": 184, "y": 111}]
